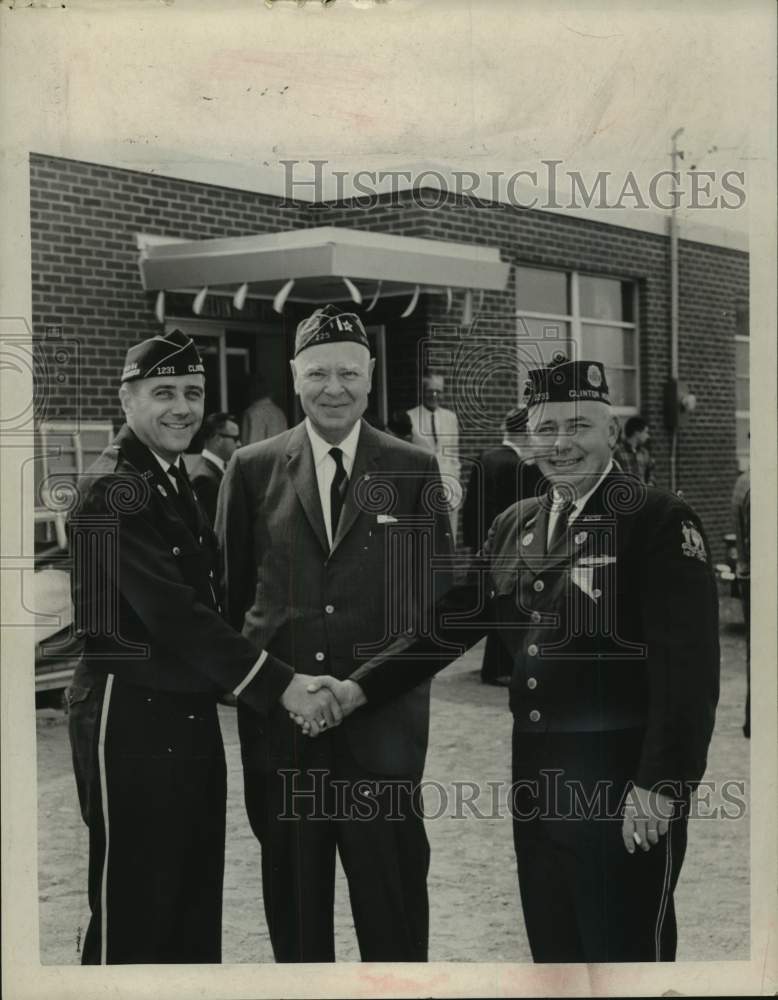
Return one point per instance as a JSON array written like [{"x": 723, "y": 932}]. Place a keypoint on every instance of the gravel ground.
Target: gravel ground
[{"x": 475, "y": 914}]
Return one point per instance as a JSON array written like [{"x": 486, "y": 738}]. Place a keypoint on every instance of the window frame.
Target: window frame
[{"x": 575, "y": 321}]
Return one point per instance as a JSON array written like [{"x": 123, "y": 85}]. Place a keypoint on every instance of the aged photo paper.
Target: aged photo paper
[{"x": 604, "y": 171}]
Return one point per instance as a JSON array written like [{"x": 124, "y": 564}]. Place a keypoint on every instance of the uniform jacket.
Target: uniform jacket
[
  {"x": 314, "y": 607},
  {"x": 498, "y": 478},
  {"x": 206, "y": 479},
  {"x": 146, "y": 589},
  {"x": 615, "y": 628}
]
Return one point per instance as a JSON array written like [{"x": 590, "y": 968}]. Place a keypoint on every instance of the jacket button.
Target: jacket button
[
  {"x": 535, "y": 616},
  {"x": 329, "y": 609},
  {"x": 534, "y": 715},
  {"x": 532, "y": 683},
  {"x": 538, "y": 585},
  {"x": 532, "y": 649},
  {"x": 200, "y": 539},
  {"x": 176, "y": 550},
  {"x": 319, "y": 657},
  {"x": 210, "y": 573}
]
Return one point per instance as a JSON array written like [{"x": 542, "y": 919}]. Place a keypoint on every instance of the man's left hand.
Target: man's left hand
[{"x": 646, "y": 818}]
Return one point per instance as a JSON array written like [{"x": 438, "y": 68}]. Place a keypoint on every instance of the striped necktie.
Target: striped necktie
[{"x": 337, "y": 490}]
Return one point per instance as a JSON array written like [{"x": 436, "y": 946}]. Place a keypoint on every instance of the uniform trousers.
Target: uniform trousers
[
  {"x": 584, "y": 897},
  {"x": 326, "y": 801},
  {"x": 151, "y": 779}
]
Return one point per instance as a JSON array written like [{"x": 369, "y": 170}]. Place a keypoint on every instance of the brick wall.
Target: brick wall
[{"x": 86, "y": 282}]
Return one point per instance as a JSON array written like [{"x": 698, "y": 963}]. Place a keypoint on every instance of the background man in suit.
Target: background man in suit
[
  {"x": 499, "y": 477},
  {"x": 307, "y": 523},
  {"x": 436, "y": 429},
  {"x": 147, "y": 749},
  {"x": 262, "y": 419},
  {"x": 220, "y": 439},
  {"x": 605, "y": 595}
]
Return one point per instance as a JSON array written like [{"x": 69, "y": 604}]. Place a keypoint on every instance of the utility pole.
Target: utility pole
[{"x": 675, "y": 155}]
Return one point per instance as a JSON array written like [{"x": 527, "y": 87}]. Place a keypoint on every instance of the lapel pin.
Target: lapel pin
[
  {"x": 528, "y": 538},
  {"x": 581, "y": 537},
  {"x": 162, "y": 490}
]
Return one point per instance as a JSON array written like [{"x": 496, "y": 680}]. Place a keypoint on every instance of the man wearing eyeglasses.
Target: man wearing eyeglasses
[{"x": 220, "y": 439}]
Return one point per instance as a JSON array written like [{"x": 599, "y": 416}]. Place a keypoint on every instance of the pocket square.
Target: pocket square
[{"x": 385, "y": 519}]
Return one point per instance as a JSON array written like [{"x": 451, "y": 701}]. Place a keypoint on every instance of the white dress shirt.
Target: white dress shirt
[
  {"x": 218, "y": 462},
  {"x": 325, "y": 465},
  {"x": 579, "y": 503}
]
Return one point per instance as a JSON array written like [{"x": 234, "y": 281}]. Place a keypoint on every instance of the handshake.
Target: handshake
[{"x": 319, "y": 703}]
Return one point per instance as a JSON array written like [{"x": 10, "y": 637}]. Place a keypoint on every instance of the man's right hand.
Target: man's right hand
[
  {"x": 312, "y": 703},
  {"x": 348, "y": 693}
]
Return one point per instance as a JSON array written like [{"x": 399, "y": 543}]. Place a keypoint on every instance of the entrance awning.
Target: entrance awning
[{"x": 321, "y": 264}]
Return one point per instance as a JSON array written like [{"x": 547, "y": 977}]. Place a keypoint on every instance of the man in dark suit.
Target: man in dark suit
[
  {"x": 315, "y": 527},
  {"x": 604, "y": 594},
  {"x": 147, "y": 750},
  {"x": 220, "y": 439},
  {"x": 499, "y": 477}
]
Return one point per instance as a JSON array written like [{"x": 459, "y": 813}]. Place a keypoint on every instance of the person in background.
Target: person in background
[
  {"x": 741, "y": 509},
  {"x": 262, "y": 419},
  {"x": 436, "y": 429},
  {"x": 400, "y": 426},
  {"x": 220, "y": 439},
  {"x": 632, "y": 452},
  {"x": 500, "y": 477}
]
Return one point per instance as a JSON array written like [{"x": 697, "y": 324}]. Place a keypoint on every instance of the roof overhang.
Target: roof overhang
[{"x": 322, "y": 263}]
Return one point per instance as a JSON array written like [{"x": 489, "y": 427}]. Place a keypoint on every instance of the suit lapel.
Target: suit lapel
[
  {"x": 365, "y": 461},
  {"x": 303, "y": 475}
]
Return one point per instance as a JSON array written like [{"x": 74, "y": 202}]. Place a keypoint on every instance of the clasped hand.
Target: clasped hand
[{"x": 320, "y": 703}]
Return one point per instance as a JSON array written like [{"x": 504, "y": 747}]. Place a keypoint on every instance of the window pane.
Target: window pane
[
  {"x": 741, "y": 319},
  {"x": 539, "y": 339},
  {"x": 539, "y": 290},
  {"x": 741, "y": 394},
  {"x": 623, "y": 387},
  {"x": 741, "y": 358},
  {"x": 608, "y": 344},
  {"x": 605, "y": 298}
]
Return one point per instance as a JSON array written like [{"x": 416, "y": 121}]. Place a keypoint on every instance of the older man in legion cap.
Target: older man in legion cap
[
  {"x": 157, "y": 655},
  {"x": 603, "y": 593},
  {"x": 327, "y": 530}
]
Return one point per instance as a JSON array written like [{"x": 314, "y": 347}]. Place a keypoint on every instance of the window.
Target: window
[
  {"x": 583, "y": 316},
  {"x": 742, "y": 401}
]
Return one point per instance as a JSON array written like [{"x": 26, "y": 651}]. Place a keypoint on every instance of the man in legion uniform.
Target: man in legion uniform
[
  {"x": 157, "y": 655},
  {"x": 603, "y": 594}
]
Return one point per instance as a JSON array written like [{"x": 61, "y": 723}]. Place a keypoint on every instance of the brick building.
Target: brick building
[{"x": 597, "y": 288}]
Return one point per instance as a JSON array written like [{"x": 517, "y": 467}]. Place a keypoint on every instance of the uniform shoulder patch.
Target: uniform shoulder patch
[{"x": 692, "y": 543}]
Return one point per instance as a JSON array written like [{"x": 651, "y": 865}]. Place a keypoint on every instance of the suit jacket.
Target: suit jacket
[
  {"x": 206, "y": 479},
  {"x": 323, "y": 610},
  {"x": 447, "y": 448},
  {"x": 146, "y": 590},
  {"x": 262, "y": 420},
  {"x": 616, "y": 627},
  {"x": 498, "y": 478}
]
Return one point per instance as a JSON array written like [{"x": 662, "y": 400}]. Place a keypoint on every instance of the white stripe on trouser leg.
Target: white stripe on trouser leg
[
  {"x": 665, "y": 897},
  {"x": 104, "y": 802}
]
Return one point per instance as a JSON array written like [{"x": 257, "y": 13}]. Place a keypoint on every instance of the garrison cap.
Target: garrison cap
[
  {"x": 166, "y": 354},
  {"x": 329, "y": 325},
  {"x": 566, "y": 381}
]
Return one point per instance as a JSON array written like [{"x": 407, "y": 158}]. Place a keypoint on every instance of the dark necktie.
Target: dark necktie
[
  {"x": 337, "y": 490},
  {"x": 560, "y": 526},
  {"x": 434, "y": 429},
  {"x": 186, "y": 497}
]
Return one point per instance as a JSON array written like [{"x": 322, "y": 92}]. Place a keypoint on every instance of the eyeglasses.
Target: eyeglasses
[{"x": 230, "y": 437}]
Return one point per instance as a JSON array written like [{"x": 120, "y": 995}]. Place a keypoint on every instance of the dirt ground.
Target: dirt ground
[{"x": 475, "y": 913}]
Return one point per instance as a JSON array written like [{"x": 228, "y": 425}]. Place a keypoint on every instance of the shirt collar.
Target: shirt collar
[
  {"x": 580, "y": 502},
  {"x": 218, "y": 462},
  {"x": 321, "y": 448},
  {"x": 164, "y": 462},
  {"x": 509, "y": 444}
]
